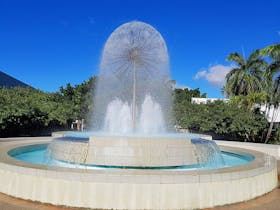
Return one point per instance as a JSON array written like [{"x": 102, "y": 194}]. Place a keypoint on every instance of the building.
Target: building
[
  {"x": 205, "y": 100},
  {"x": 271, "y": 114},
  {"x": 9, "y": 81}
]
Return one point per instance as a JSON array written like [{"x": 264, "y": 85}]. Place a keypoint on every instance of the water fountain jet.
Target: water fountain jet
[{"x": 134, "y": 65}]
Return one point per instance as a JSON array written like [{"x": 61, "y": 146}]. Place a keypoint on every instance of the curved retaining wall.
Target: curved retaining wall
[
  {"x": 137, "y": 189},
  {"x": 142, "y": 195}
]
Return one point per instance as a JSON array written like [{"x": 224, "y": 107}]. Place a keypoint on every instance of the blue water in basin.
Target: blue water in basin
[
  {"x": 37, "y": 154},
  {"x": 88, "y": 134}
]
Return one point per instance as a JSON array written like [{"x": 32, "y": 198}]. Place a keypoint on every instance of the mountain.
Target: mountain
[{"x": 9, "y": 81}]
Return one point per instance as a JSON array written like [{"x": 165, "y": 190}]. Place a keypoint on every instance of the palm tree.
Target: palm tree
[
  {"x": 245, "y": 78},
  {"x": 271, "y": 83},
  {"x": 271, "y": 71}
]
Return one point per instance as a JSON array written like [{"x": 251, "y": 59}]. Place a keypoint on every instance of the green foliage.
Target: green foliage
[
  {"x": 231, "y": 120},
  {"x": 182, "y": 103},
  {"x": 225, "y": 119},
  {"x": 80, "y": 98},
  {"x": 273, "y": 51},
  {"x": 26, "y": 111},
  {"x": 246, "y": 77},
  {"x": 255, "y": 80},
  {"x": 248, "y": 101}
]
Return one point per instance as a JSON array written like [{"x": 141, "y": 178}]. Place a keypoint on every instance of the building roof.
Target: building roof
[{"x": 9, "y": 81}]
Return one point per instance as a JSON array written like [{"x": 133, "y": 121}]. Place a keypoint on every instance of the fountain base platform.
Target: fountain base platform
[{"x": 127, "y": 151}]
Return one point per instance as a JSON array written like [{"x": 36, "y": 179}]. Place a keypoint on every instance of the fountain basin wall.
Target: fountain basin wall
[
  {"x": 70, "y": 151},
  {"x": 140, "y": 151},
  {"x": 127, "y": 151},
  {"x": 137, "y": 189},
  {"x": 270, "y": 149}
]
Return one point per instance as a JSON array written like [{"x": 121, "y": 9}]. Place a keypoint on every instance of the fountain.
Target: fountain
[
  {"x": 132, "y": 105},
  {"x": 118, "y": 118},
  {"x": 131, "y": 158},
  {"x": 132, "y": 89}
]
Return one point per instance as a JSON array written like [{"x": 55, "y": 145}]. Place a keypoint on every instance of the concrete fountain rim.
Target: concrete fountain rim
[
  {"x": 135, "y": 189},
  {"x": 262, "y": 163}
]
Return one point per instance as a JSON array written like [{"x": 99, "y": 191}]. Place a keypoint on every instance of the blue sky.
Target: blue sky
[{"x": 47, "y": 43}]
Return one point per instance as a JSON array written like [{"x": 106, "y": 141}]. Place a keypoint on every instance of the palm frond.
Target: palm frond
[
  {"x": 237, "y": 58},
  {"x": 273, "y": 51}
]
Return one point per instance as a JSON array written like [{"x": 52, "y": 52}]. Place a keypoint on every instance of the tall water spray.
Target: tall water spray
[
  {"x": 133, "y": 97},
  {"x": 132, "y": 94}
]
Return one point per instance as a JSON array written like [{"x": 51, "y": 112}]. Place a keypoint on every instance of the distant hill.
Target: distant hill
[{"x": 9, "y": 81}]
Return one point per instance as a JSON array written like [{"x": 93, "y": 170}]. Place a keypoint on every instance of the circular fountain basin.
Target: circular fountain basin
[
  {"x": 38, "y": 154},
  {"x": 123, "y": 188},
  {"x": 135, "y": 150}
]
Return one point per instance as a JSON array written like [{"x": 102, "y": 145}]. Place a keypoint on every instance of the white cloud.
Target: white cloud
[{"x": 215, "y": 75}]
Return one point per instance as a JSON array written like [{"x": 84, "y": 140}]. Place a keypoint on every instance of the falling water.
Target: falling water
[
  {"x": 132, "y": 93},
  {"x": 208, "y": 153},
  {"x": 151, "y": 117},
  {"x": 118, "y": 119}
]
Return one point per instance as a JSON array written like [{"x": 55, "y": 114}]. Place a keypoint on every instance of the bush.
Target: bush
[{"x": 222, "y": 118}]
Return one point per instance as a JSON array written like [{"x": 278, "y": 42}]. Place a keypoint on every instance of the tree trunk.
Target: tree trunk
[
  {"x": 269, "y": 132},
  {"x": 267, "y": 110},
  {"x": 270, "y": 125}
]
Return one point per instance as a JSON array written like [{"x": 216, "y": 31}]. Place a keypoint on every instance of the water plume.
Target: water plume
[{"x": 133, "y": 74}]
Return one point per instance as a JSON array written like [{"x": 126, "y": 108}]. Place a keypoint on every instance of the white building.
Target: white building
[
  {"x": 271, "y": 114},
  {"x": 205, "y": 100}
]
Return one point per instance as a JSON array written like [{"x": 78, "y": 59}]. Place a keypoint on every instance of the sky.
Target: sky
[{"x": 48, "y": 43}]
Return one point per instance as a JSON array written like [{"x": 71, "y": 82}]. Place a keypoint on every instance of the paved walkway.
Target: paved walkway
[{"x": 270, "y": 201}]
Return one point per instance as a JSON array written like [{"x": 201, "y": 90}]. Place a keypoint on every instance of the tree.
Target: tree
[
  {"x": 256, "y": 80},
  {"x": 245, "y": 78},
  {"x": 26, "y": 111},
  {"x": 271, "y": 82},
  {"x": 182, "y": 105},
  {"x": 80, "y": 98},
  {"x": 224, "y": 119}
]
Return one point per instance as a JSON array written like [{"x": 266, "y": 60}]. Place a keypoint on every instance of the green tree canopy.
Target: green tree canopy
[{"x": 245, "y": 78}]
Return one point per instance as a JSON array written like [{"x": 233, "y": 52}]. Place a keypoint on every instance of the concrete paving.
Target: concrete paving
[{"x": 270, "y": 201}]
